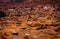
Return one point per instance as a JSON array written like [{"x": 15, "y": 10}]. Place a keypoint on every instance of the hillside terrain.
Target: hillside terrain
[{"x": 29, "y": 19}]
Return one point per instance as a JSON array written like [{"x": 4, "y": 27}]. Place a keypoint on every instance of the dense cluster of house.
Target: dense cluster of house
[{"x": 29, "y": 21}]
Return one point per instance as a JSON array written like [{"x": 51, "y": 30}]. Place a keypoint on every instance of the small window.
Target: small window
[{"x": 2, "y": 14}]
